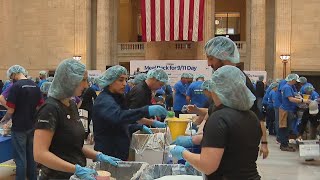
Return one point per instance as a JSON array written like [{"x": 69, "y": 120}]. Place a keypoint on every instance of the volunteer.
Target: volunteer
[
  {"x": 223, "y": 51},
  {"x": 311, "y": 115},
  {"x": 139, "y": 78},
  {"x": 45, "y": 89},
  {"x": 309, "y": 90},
  {"x": 111, "y": 116},
  {"x": 59, "y": 134},
  {"x": 303, "y": 82},
  {"x": 231, "y": 137},
  {"x": 141, "y": 94},
  {"x": 270, "y": 117},
  {"x": 287, "y": 110},
  {"x": 195, "y": 94},
  {"x": 23, "y": 99},
  {"x": 179, "y": 94},
  {"x": 43, "y": 77}
]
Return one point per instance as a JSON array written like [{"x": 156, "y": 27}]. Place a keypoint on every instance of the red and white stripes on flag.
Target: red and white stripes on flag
[{"x": 171, "y": 20}]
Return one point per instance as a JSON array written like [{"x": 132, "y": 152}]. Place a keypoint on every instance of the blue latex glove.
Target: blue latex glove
[
  {"x": 187, "y": 164},
  {"x": 177, "y": 152},
  {"x": 107, "y": 159},
  {"x": 147, "y": 130},
  {"x": 158, "y": 124},
  {"x": 157, "y": 110},
  {"x": 85, "y": 173},
  {"x": 185, "y": 141}
]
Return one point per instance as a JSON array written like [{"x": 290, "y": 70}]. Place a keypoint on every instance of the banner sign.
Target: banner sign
[
  {"x": 94, "y": 73},
  {"x": 174, "y": 68},
  {"x": 254, "y": 75}
]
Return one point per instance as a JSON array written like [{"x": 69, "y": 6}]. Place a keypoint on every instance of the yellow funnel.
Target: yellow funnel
[
  {"x": 177, "y": 126},
  {"x": 306, "y": 96}
]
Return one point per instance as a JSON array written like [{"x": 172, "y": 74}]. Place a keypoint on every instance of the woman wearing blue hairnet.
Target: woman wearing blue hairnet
[
  {"x": 59, "y": 134},
  {"x": 228, "y": 151},
  {"x": 111, "y": 116}
]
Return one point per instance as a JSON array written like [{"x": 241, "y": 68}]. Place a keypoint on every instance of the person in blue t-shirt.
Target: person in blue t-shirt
[
  {"x": 270, "y": 109},
  {"x": 309, "y": 90},
  {"x": 190, "y": 79},
  {"x": 287, "y": 110},
  {"x": 195, "y": 94},
  {"x": 304, "y": 83},
  {"x": 43, "y": 78},
  {"x": 180, "y": 90}
]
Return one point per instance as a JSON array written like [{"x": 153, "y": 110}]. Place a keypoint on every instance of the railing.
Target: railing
[
  {"x": 135, "y": 48},
  {"x": 242, "y": 47},
  {"x": 183, "y": 45}
]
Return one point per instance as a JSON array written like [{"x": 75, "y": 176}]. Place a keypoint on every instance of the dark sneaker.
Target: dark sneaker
[{"x": 287, "y": 148}]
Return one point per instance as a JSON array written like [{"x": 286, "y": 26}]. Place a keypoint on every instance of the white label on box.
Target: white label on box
[{"x": 309, "y": 150}]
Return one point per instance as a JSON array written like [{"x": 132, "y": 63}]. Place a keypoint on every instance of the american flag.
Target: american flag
[{"x": 171, "y": 20}]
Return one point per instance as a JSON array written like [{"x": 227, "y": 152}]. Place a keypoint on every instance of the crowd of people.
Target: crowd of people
[{"x": 47, "y": 129}]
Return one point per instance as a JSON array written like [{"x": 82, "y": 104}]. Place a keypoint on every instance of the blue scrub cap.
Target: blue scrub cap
[
  {"x": 67, "y": 78},
  {"x": 111, "y": 75},
  {"x": 158, "y": 74},
  {"x": 16, "y": 69},
  {"x": 229, "y": 84},
  {"x": 222, "y": 48}
]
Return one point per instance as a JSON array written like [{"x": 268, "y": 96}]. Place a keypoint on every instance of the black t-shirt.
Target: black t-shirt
[
  {"x": 260, "y": 89},
  {"x": 139, "y": 96},
  {"x": 307, "y": 117},
  {"x": 239, "y": 133},
  {"x": 87, "y": 99},
  {"x": 69, "y": 134},
  {"x": 24, "y": 97}
]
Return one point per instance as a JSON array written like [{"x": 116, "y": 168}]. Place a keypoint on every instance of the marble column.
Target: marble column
[
  {"x": 283, "y": 26},
  {"x": 256, "y": 28},
  {"x": 208, "y": 29},
  {"x": 82, "y": 9},
  {"x": 103, "y": 51}
]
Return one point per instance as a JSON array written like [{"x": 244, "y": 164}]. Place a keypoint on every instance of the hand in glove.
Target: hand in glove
[
  {"x": 157, "y": 110},
  {"x": 185, "y": 141},
  {"x": 107, "y": 159},
  {"x": 177, "y": 152},
  {"x": 146, "y": 130},
  {"x": 158, "y": 124},
  {"x": 85, "y": 173}
]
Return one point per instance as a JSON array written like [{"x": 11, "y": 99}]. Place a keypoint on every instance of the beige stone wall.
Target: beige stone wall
[
  {"x": 39, "y": 34},
  {"x": 305, "y": 41}
]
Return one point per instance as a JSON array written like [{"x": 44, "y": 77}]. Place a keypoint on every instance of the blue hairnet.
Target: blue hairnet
[
  {"x": 184, "y": 75},
  {"x": 111, "y": 75},
  {"x": 303, "y": 80},
  {"x": 43, "y": 73},
  {"x": 199, "y": 76},
  {"x": 190, "y": 75},
  {"x": 308, "y": 88},
  {"x": 229, "y": 84},
  {"x": 45, "y": 87},
  {"x": 67, "y": 78},
  {"x": 292, "y": 77},
  {"x": 207, "y": 85},
  {"x": 273, "y": 85},
  {"x": 278, "y": 80},
  {"x": 222, "y": 48},
  {"x": 139, "y": 78},
  {"x": 16, "y": 69},
  {"x": 50, "y": 79},
  {"x": 159, "y": 74}
]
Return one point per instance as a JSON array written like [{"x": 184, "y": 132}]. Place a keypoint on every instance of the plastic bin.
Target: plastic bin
[
  {"x": 309, "y": 149},
  {"x": 160, "y": 170},
  {"x": 150, "y": 147},
  {"x": 125, "y": 170}
]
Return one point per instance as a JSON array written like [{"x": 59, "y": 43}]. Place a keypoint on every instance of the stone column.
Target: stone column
[
  {"x": 282, "y": 34},
  {"x": 208, "y": 29},
  {"x": 256, "y": 28},
  {"x": 114, "y": 31},
  {"x": 103, "y": 51},
  {"x": 82, "y": 30}
]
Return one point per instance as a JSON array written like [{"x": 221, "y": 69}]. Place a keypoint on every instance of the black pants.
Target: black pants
[
  {"x": 270, "y": 118},
  {"x": 177, "y": 113}
]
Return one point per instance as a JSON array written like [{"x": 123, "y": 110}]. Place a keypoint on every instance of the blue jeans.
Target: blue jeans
[
  {"x": 22, "y": 142},
  {"x": 284, "y": 132},
  {"x": 276, "y": 122}
]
